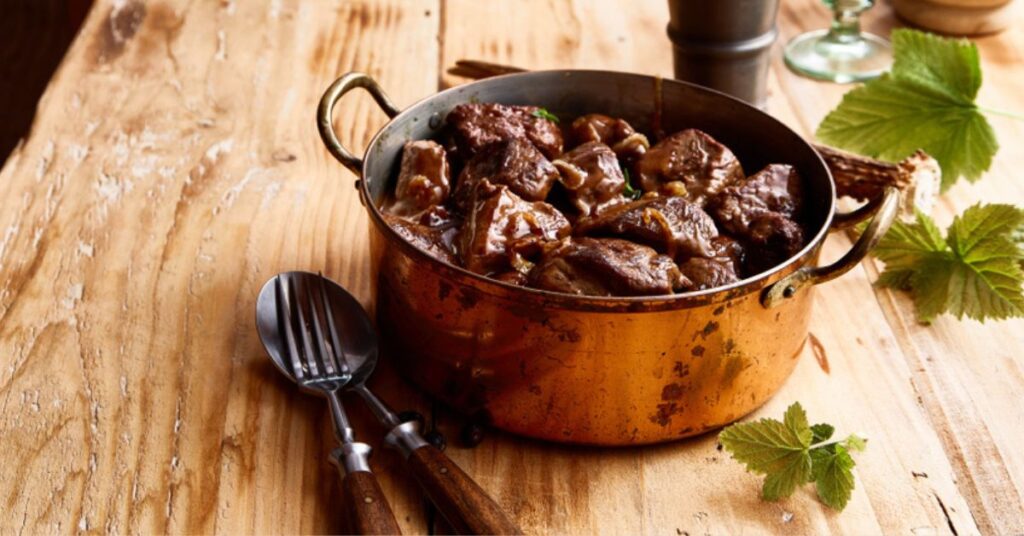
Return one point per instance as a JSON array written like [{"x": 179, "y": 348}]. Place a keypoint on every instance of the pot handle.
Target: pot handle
[
  {"x": 883, "y": 207},
  {"x": 325, "y": 113}
]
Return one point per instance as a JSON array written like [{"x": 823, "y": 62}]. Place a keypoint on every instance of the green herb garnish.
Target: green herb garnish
[
  {"x": 925, "y": 102},
  {"x": 628, "y": 190},
  {"x": 543, "y": 113},
  {"x": 974, "y": 271},
  {"x": 792, "y": 453}
]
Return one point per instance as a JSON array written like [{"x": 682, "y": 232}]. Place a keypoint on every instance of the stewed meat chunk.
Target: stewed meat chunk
[
  {"x": 771, "y": 238},
  {"x": 776, "y": 188},
  {"x": 760, "y": 211},
  {"x": 721, "y": 269},
  {"x": 502, "y": 229},
  {"x": 671, "y": 225},
  {"x": 592, "y": 177},
  {"x": 606, "y": 267},
  {"x": 433, "y": 240},
  {"x": 474, "y": 126},
  {"x": 515, "y": 163},
  {"x": 628, "y": 144},
  {"x": 690, "y": 164},
  {"x": 423, "y": 179}
]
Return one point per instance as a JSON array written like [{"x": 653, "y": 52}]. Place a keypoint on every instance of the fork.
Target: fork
[{"x": 318, "y": 364}]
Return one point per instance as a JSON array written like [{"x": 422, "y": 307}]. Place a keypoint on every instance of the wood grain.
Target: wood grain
[{"x": 174, "y": 166}]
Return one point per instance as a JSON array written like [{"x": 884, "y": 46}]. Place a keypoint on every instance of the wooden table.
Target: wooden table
[{"x": 174, "y": 166}]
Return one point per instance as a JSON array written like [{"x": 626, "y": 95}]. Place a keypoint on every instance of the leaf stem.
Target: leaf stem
[{"x": 1012, "y": 115}]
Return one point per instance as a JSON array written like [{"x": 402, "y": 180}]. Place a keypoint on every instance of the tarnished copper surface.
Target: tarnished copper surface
[{"x": 595, "y": 377}]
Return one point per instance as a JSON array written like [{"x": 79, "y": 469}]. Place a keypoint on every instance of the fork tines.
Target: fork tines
[{"x": 313, "y": 358}]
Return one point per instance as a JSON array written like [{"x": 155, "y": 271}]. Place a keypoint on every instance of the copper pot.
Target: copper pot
[{"x": 596, "y": 370}]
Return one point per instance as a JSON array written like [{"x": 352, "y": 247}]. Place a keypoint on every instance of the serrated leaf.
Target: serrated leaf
[
  {"x": 974, "y": 272},
  {"x": 929, "y": 60},
  {"x": 925, "y": 102},
  {"x": 782, "y": 451},
  {"x": 979, "y": 223},
  {"x": 907, "y": 244},
  {"x": 783, "y": 482},
  {"x": 833, "y": 475},
  {"x": 767, "y": 445},
  {"x": 822, "y": 432}
]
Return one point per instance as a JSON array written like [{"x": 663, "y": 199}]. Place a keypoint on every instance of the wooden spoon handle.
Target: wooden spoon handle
[
  {"x": 462, "y": 502},
  {"x": 367, "y": 508}
]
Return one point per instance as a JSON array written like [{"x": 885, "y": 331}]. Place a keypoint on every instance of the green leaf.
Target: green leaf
[
  {"x": 980, "y": 222},
  {"x": 782, "y": 483},
  {"x": 951, "y": 66},
  {"x": 543, "y": 113},
  {"x": 833, "y": 475},
  {"x": 783, "y": 452},
  {"x": 925, "y": 102},
  {"x": 822, "y": 432},
  {"x": 628, "y": 190},
  {"x": 767, "y": 445},
  {"x": 974, "y": 272},
  {"x": 907, "y": 244}
]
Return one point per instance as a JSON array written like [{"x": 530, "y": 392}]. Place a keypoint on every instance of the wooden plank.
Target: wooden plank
[
  {"x": 174, "y": 166},
  {"x": 968, "y": 375}
]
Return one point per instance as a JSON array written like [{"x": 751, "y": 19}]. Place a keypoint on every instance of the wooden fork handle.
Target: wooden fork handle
[
  {"x": 462, "y": 502},
  {"x": 366, "y": 507}
]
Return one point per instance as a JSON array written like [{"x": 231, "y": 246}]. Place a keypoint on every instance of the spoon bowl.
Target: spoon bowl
[{"x": 357, "y": 339}]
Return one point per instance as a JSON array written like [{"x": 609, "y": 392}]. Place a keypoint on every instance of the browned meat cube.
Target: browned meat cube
[
  {"x": 592, "y": 177},
  {"x": 711, "y": 272},
  {"x": 690, "y": 164},
  {"x": 707, "y": 273},
  {"x": 776, "y": 188},
  {"x": 514, "y": 163},
  {"x": 502, "y": 229},
  {"x": 474, "y": 126},
  {"x": 423, "y": 179},
  {"x": 435, "y": 241},
  {"x": 771, "y": 239},
  {"x": 606, "y": 267},
  {"x": 671, "y": 225},
  {"x": 628, "y": 144},
  {"x": 760, "y": 211}
]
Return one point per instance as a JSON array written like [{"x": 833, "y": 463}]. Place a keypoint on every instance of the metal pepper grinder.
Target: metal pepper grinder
[{"x": 724, "y": 44}]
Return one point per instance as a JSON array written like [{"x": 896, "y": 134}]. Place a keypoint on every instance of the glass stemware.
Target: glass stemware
[{"x": 842, "y": 53}]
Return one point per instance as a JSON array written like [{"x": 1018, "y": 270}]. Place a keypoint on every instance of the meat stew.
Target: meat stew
[{"x": 597, "y": 210}]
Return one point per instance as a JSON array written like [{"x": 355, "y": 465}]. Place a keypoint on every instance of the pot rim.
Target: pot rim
[{"x": 561, "y": 300}]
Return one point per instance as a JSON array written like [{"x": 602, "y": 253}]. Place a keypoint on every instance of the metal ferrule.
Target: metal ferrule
[
  {"x": 405, "y": 438},
  {"x": 352, "y": 457}
]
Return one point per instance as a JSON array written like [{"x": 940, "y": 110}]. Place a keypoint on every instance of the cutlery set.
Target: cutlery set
[{"x": 320, "y": 337}]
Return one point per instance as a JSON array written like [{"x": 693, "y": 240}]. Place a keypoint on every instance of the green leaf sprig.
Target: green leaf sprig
[
  {"x": 926, "y": 101},
  {"x": 543, "y": 113},
  {"x": 628, "y": 190},
  {"x": 792, "y": 453},
  {"x": 975, "y": 270}
]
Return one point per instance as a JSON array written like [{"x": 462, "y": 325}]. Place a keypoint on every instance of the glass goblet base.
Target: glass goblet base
[{"x": 849, "y": 59}]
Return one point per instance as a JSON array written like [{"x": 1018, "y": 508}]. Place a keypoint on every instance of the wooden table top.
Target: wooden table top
[{"x": 174, "y": 166}]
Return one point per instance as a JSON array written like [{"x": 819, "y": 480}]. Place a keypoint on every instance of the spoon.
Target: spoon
[
  {"x": 294, "y": 322},
  {"x": 462, "y": 502}
]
